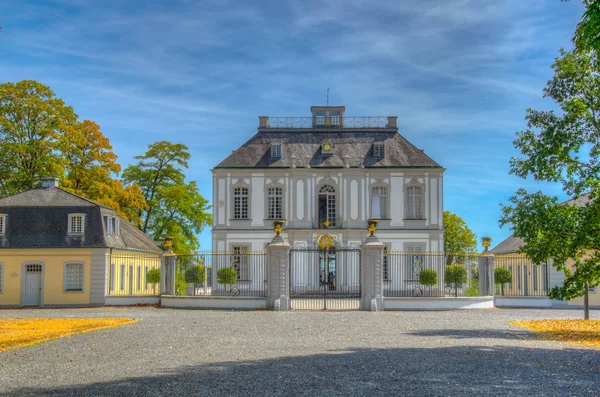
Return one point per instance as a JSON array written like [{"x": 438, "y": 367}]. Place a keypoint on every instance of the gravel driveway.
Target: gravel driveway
[{"x": 221, "y": 353}]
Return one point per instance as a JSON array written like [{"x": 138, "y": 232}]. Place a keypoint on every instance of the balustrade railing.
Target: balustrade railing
[{"x": 328, "y": 122}]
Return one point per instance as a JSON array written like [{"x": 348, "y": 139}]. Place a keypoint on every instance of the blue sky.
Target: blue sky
[{"x": 459, "y": 74}]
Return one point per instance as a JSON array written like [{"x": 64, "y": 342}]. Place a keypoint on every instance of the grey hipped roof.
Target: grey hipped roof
[
  {"x": 39, "y": 217},
  {"x": 513, "y": 244},
  {"x": 298, "y": 146}
]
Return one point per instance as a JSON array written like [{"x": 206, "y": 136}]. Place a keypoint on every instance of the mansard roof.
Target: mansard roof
[
  {"x": 353, "y": 147},
  {"x": 38, "y": 218}
]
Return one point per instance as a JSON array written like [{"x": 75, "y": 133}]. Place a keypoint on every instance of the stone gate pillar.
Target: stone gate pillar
[
  {"x": 278, "y": 275},
  {"x": 371, "y": 275},
  {"x": 486, "y": 274}
]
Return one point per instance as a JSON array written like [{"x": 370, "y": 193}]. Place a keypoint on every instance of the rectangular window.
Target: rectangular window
[
  {"x": 320, "y": 118},
  {"x": 381, "y": 193},
  {"x": 336, "y": 118},
  {"x": 276, "y": 150},
  {"x": 378, "y": 150},
  {"x": 74, "y": 277},
  {"x": 274, "y": 203},
  {"x": 3, "y": 224},
  {"x": 116, "y": 224},
  {"x": 107, "y": 225},
  {"x": 414, "y": 203},
  {"x": 113, "y": 277},
  {"x": 76, "y": 223},
  {"x": 122, "y": 277},
  {"x": 240, "y": 261},
  {"x": 240, "y": 203}
]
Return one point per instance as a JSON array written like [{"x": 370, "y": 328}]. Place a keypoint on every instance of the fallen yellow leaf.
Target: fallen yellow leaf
[{"x": 575, "y": 332}]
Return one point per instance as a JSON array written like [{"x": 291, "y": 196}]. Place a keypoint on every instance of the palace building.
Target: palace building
[{"x": 327, "y": 174}]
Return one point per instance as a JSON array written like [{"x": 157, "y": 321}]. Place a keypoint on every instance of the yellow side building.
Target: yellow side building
[{"x": 60, "y": 249}]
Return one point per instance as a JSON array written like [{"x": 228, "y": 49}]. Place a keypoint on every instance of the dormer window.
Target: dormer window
[
  {"x": 378, "y": 150},
  {"x": 108, "y": 225},
  {"x": 76, "y": 223},
  {"x": 328, "y": 116},
  {"x": 116, "y": 227},
  {"x": 111, "y": 224},
  {"x": 3, "y": 218},
  {"x": 276, "y": 150}
]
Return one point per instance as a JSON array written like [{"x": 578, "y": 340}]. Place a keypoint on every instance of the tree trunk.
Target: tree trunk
[{"x": 586, "y": 304}]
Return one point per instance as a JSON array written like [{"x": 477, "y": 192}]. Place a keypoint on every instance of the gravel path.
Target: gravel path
[{"x": 221, "y": 353}]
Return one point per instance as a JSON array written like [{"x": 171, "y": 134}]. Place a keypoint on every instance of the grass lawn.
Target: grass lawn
[
  {"x": 25, "y": 332},
  {"x": 575, "y": 332}
]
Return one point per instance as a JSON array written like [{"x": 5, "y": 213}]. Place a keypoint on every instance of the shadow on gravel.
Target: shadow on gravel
[
  {"x": 477, "y": 333},
  {"x": 436, "y": 371}
]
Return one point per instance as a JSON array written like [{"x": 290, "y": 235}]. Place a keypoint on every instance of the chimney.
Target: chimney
[
  {"x": 392, "y": 122},
  {"x": 263, "y": 121},
  {"x": 49, "y": 182}
]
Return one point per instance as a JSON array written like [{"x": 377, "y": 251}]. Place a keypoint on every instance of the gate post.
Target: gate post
[
  {"x": 169, "y": 274},
  {"x": 278, "y": 274},
  {"x": 486, "y": 274},
  {"x": 371, "y": 275}
]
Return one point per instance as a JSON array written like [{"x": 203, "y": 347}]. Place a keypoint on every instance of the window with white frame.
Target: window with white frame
[
  {"x": 379, "y": 193},
  {"x": 3, "y": 218},
  {"x": 276, "y": 150},
  {"x": 116, "y": 225},
  {"x": 108, "y": 225},
  {"x": 275, "y": 203},
  {"x": 76, "y": 223},
  {"x": 240, "y": 261},
  {"x": 414, "y": 202},
  {"x": 240, "y": 203},
  {"x": 378, "y": 150},
  {"x": 74, "y": 277}
]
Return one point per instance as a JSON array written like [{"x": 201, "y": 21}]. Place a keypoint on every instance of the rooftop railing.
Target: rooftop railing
[{"x": 328, "y": 122}]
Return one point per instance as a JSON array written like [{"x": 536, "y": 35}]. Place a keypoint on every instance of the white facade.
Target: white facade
[{"x": 411, "y": 206}]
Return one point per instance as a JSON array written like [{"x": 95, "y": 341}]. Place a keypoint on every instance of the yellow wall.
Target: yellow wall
[
  {"x": 131, "y": 281},
  {"x": 53, "y": 260}
]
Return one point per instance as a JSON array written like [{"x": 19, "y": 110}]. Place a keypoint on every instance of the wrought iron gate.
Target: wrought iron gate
[{"x": 325, "y": 279}]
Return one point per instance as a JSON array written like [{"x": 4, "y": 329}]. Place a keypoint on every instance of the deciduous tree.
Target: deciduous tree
[
  {"x": 175, "y": 207},
  {"x": 32, "y": 122},
  {"x": 459, "y": 240},
  {"x": 562, "y": 147}
]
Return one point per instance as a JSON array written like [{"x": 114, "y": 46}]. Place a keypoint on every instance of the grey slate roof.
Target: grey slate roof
[
  {"x": 39, "y": 217},
  {"x": 299, "y": 145},
  {"x": 512, "y": 244}
]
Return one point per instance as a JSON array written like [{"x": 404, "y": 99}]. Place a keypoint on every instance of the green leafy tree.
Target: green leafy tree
[
  {"x": 501, "y": 277},
  {"x": 32, "y": 122},
  {"x": 428, "y": 277},
  {"x": 562, "y": 147},
  {"x": 226, "y": 276},
  {"x": 174, "y": 208},
  {"x": 460, "y": 243},
  {"x": 195, "y": 275},
  {"x": 153, "y": 276},
  {"x": 456, "y": 275},
  {"x": 587, "y": 34}
]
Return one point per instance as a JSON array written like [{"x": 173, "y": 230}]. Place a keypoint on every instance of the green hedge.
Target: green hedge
[
  {"x": 153, "y": 276},
  {"x": 428, "y": 277}
]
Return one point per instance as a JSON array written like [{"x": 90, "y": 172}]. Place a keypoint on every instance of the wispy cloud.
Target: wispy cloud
[{"x": 459, "y": 74}]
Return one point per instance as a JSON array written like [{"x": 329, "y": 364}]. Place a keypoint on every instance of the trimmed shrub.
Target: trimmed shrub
[
  {"x": 195, "y": 275},
  {"x": 153, "y": 276},
  {"x": 502, "y": 276},
  {"x": 428, "y": 277},
  {"x": 455, "y": 275},
  {"x": 180, "y": 284},
  {"x": 226, "y": 275}
]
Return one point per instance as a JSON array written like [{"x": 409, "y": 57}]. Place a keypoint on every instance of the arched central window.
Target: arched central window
[{"x": 327, "y": 211}]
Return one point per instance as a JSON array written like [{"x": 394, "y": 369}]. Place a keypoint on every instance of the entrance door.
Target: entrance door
[{"x": 32, "y": 291}]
